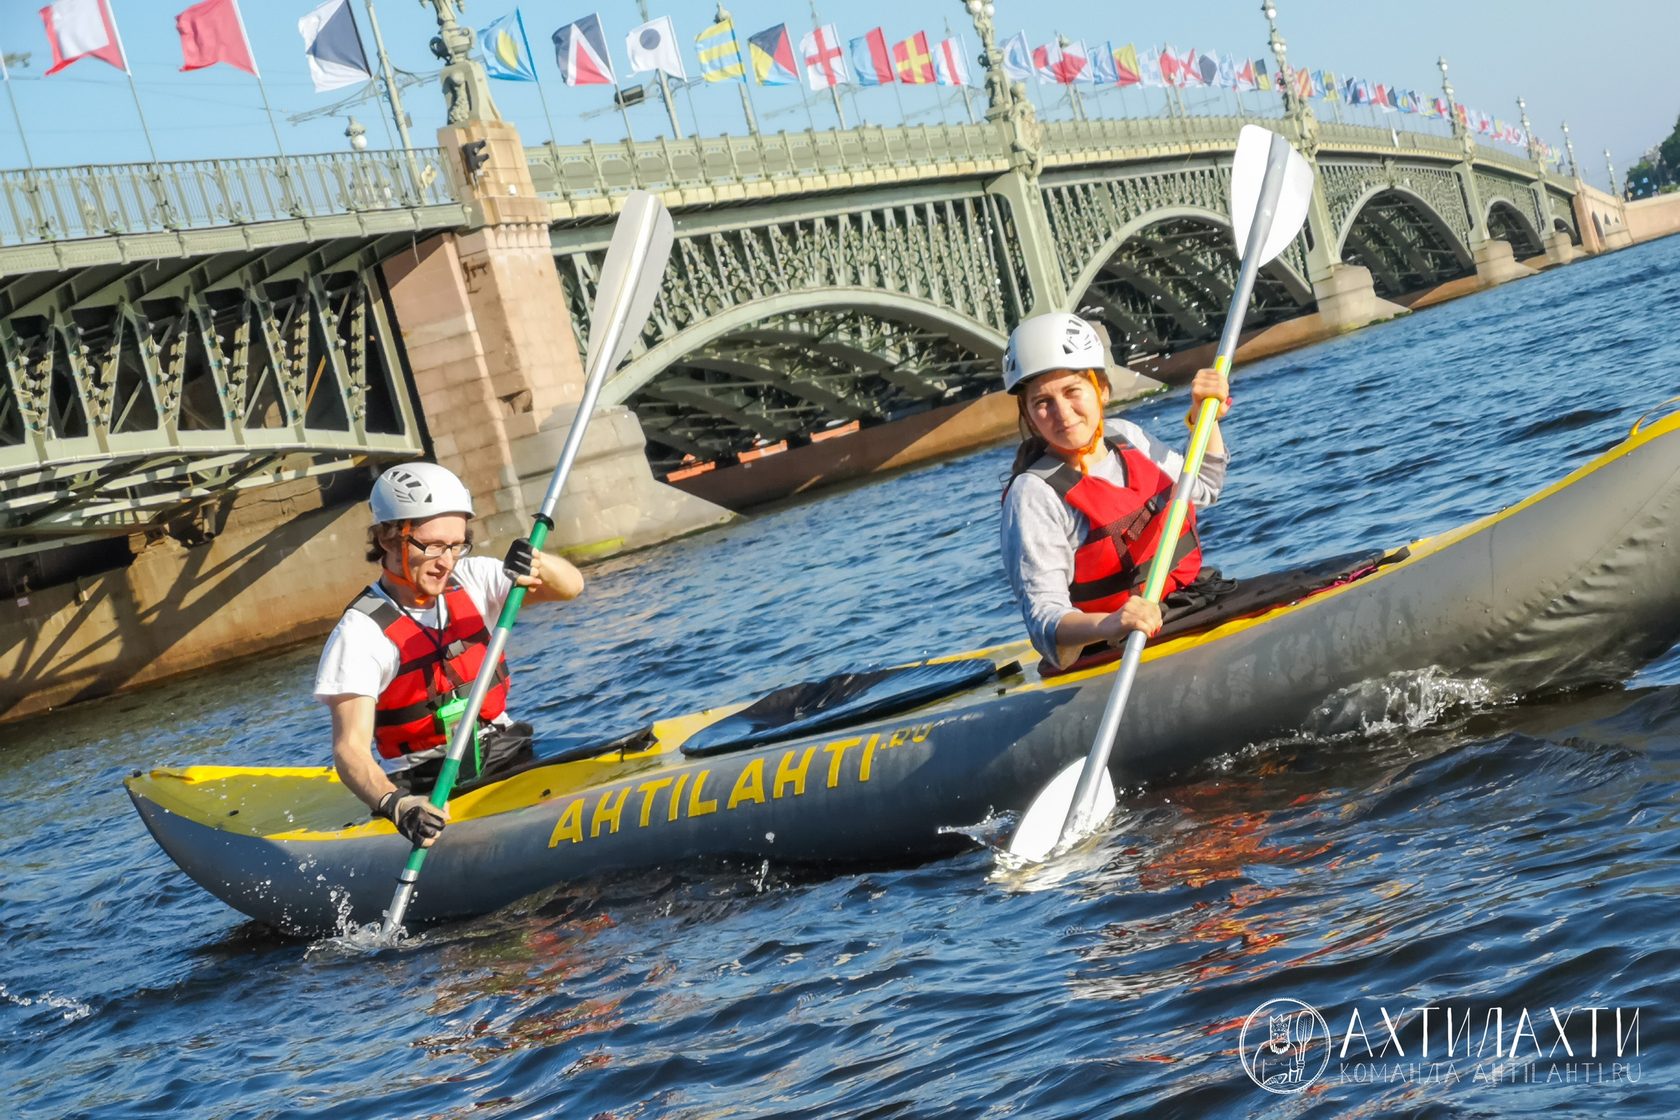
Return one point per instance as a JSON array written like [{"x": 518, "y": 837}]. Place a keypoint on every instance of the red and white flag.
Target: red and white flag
[
  {"x": 825, "y": 62},
  {"x": 213, "y": 31},
  {"x": 949, "y": 64},
  {"x": 78, "y": 29}
]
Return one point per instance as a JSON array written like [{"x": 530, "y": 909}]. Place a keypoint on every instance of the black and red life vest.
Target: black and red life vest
[
  {"x": 1126, "y": 523},
  {"x": 434, "y": 666}
]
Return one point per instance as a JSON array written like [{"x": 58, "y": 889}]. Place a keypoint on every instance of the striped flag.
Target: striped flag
[
  {"x": 720, "y": 54},
  {"x": 871, "y": 61},
  {"x": 950, "y": 65}
]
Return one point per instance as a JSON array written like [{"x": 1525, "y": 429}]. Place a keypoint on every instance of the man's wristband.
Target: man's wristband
[{"x": 387, "y": 805}]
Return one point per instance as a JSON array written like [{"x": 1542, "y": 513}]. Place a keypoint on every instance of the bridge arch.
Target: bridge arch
[
  {"x": 1403, "y": 241},
  {"x": 788, "y": 366},
  {"x": 1506, "y": 221},
  {"x": 1162, "y": 282}
]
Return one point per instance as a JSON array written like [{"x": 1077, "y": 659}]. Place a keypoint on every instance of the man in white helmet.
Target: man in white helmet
[
  {"x": 412, "y": 643},
  {"x": 1087, "y": 498}
]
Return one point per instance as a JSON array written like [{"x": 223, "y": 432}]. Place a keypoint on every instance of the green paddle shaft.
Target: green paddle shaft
[{"x": 641, "y": 244}]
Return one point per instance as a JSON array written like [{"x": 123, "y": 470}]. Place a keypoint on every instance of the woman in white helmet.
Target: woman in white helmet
[
  {"x": 414, "y": 641},
  {"x": 1087, "y": 500}
]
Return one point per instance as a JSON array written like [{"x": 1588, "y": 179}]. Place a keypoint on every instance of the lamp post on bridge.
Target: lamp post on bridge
[
  {"x": 466, "y": 87},
  {"x": 1569, "y": 147},
  {"x": 1295, "y": 106},
  {"x": 1460, "y": 129},
  {"x": 1612, "y": 168},
  {"x": 1528, "y": 131},
  {"x": 999, "y": 94}
]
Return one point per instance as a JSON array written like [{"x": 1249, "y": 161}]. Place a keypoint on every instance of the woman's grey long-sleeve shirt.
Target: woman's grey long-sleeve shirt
[{"x": 1041, "y": 532}]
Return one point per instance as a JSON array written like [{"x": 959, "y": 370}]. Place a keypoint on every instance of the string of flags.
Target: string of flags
[{"x": 213, "y": 31}]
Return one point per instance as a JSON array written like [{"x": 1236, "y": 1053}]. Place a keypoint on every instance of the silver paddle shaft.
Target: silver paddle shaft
[{"x": 1085, "y": 793}]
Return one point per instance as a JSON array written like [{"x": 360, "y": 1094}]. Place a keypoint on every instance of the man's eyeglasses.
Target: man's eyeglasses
[{"x": 436, "y": 551}]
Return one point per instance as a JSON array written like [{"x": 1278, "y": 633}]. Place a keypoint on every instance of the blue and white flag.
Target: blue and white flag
[
  {"x": 334, "y": 47},
  {"x": 1103, "y": 72},
  {"x": 1018, "y": 58},
  {"x": 507, "y": 52}
]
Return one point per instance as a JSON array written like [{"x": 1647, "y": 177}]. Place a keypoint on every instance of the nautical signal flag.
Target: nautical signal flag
[
  {"x": 825, "y": 62},
  {"x": 212, "y": 32},
  {"x": 913, "y": 61},
  {"x": 1103, "y": 71},
  {"x": 720, "y": 54},
  {"x": 653, "y": 46},
  {"x": 1018, "y": 58},
  {"x": 1262, "y": 80},
  {"x": 507, "y": 52},
  {"x": 1245, "y": 81},
  {"x": 950, "y": 64},
  {"x": 871, "y": 61},
  {"x": 1126, "y": 69},
  {"x": 333, "y": 46},
  {"x": 1207, "y": 68},
  {"x": 771, "y": 53},
  {"x": 1055, "y": 63},
  {"x": 580, "y": 50},
  {"x": 78, "y": 29}
]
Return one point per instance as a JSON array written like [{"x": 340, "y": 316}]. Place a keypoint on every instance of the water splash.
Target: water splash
[
  {"x": 1409, "y": 700},
  {"x": 72, "y": 1008}
]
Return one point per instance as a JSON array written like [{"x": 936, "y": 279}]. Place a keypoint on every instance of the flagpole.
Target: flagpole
[
  {"x": 392, "y": 95},
  {"x": 742, "y": 59},
  {"x": 28, "y": 157},
  {"x": 833, "y": 86},
  {"x": 664, "y": 87},
  {"x": 968, "y": 102},
  {"x": 536, "y": 76},
  {"x": 287, "y": 198}
]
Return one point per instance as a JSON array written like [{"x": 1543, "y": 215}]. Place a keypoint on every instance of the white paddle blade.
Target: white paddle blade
[
  {"x": 1257, "y": 147},
  {"x": 630, "y": 276},
  {"x": 1040, "y": 829}
]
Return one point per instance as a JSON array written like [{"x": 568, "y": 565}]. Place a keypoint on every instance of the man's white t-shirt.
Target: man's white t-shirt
[{"x": 360, "y": 660}]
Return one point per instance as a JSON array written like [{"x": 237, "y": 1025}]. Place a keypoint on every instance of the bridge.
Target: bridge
[{"x": 178, "y": 335}]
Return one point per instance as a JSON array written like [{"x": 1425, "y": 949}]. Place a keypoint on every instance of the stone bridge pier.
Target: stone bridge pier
[{"x": 498, "y": 373}]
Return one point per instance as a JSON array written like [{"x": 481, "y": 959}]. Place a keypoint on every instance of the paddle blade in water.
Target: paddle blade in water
[
  {"x": 629, "y": 277},
  {"x": 1041, "y": 825},
  {"x": 1256, "y": 147}
]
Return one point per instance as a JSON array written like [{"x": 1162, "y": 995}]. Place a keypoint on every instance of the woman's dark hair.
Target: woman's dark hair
[{"x": 1033, "y": 447}]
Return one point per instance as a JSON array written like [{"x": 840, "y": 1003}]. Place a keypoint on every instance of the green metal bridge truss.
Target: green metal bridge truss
[{"x": 173, "y": 332}]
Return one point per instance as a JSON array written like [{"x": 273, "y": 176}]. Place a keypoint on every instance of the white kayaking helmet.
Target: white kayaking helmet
[
  {"x": 416, "y": 491},
  {"x": 1046, "y": 342}
]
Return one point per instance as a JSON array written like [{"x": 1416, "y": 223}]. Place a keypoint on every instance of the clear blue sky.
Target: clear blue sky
[{"x": 1568, "y": 61}]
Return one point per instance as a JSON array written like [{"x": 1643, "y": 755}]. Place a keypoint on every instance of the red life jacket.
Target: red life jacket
[
  {"x": 433, "y": 668},
  {"x": 1126, "y": 525}
]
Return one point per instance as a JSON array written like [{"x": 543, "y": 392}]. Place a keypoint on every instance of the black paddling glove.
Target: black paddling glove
[
  {"x": 518, "y": 562},
  {"x": 416, "y": 818}
]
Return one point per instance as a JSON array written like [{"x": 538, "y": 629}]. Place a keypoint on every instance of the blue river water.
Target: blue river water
[{"x": 1459, "y": 853}]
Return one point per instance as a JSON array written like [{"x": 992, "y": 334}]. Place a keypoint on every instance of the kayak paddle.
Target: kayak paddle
[
  {"x": 1271, "y": 187},
  {"x": 630, "y": 276}
]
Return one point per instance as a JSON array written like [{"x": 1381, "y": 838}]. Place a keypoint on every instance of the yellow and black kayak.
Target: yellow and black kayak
[{"x": 1577, "y": 584}]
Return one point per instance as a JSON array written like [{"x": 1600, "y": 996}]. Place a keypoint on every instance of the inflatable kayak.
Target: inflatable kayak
[{"x": 1577, "y": 584}]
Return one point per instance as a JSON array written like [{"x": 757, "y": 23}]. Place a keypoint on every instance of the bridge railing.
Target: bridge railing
[
  {"x": 65, "y": 203},
  {"x": 594, "y": 170}
]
